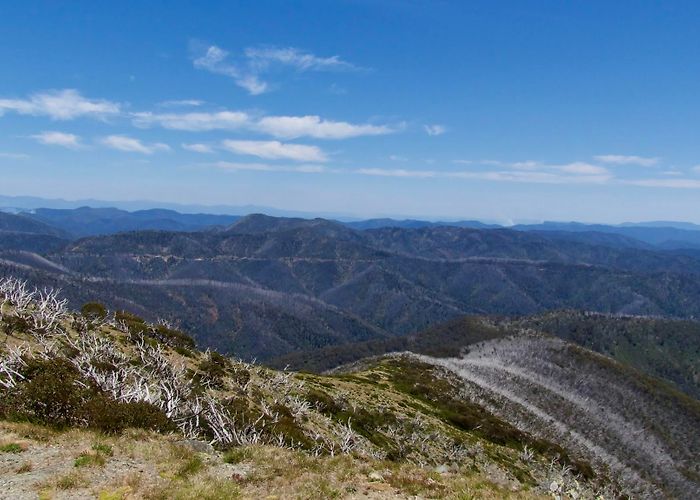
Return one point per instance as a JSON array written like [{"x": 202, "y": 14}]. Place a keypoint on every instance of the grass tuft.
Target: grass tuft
[
  {"x": 11, "y": 448},
  {"x": 88, "y": 459}
]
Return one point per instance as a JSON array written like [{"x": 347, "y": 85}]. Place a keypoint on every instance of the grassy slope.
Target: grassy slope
[{"x": 406, "y": 420}]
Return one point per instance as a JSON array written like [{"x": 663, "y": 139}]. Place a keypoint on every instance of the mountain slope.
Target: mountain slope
[
  {"x": 22, "y": 224},
  {"x": 590, "y": 404},
  {"x": 668, "y": 350},
  {"x": 107, "y": 372},
  {"x": 398, "y": 281}
]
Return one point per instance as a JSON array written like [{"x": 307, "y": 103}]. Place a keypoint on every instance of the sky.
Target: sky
[{"x": 503, "y": 111}]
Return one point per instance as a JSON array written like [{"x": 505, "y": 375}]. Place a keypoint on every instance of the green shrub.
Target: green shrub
[
  {"x": 213, "y": 369},
  {"x": 93, "y": 311},
  {"x": 112, "y": 417},
  {"x": 54, "y": 393},
  {"x": 15, "y": 324},
  {"x": 173, "y": 338}
]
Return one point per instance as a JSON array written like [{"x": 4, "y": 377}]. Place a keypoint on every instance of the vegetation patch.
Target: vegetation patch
[{"x": 11, "y": 448}]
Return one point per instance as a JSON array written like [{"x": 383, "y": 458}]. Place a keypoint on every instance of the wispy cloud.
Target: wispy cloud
[
  {"x": 194, "y": 122},
  {"x": 265, "y": 167},
  {"x": 14, "y": 156},
  {"x": 214, "y": 60},
  {"x": 539, "y": 177},
  {"x": 247, "y": 70},
  {"x": 282, "y": 127},
  {"x": 66, "y": 104},
  {"x": 181, "y": 103},
  {"x": 627, "y": 160},
  {"x": 291, "y": 127},
  {"x": 54, "y": 138},
  {"x": 396, "y": 172},
  {"x": 275, "y": 150},
  {"x": 665, "y": 183},
  {"x": 580, "y": 168},
  {"x": 197, "y": 148},
  {"x": 264, "y": 57},
  {"x": 132, "y": 145},
  {"x": 434, "y": 130}
]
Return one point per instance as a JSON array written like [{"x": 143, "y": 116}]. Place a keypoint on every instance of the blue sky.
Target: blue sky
[{"x": 504, "y": 111}]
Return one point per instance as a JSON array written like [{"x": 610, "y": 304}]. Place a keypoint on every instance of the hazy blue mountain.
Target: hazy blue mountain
[
  {"x": 88, "y": 221},
  {"x": 674, "y": 224},
  {"x": 415, "y": 223},
  {"x": 22, "y": 223},
  {"x": 662, "y": 237}
]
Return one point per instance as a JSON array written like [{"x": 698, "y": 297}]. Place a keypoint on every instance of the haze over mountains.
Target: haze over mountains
[
  {"x": 71, "y": 221},
  {"x": 264, "y": 286}
]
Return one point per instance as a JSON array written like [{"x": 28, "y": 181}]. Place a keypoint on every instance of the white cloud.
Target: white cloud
[
  {"x": 53, "y": 138},
  {"x": 627, "y": 160},
  {"x": 198, "y": 148},
  {"x": 290, "y": 127},
  {"x": 275, "y": 150},
  {"x": 397, "y": 158},
  {"x": 247, "y": 73},
  {"x": 194, "y": 122},
  {"x": 696, "y": 168},
  {"x": 214, "y": 61},
  {"x": 434, "y": 130},
  {"x": 181, "y": 103},
  {"x": 580, "y": 168},
  {"x": 286, "y": 127},
  {"x": 64, "y": 104},
  {"x": 131, "y": 145},
  {"x": 263, "y": 57},
  {"x": 574, "y": 173},
  {"x": 264, "y": 167}
]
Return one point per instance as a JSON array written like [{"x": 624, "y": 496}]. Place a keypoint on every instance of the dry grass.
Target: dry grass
[{"x": 153, "y": 466}]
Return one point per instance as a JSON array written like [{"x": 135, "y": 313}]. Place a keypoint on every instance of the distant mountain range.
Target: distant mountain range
[
  {"x": 266, "y": 286},
  {"x": 72, "y": 223}
]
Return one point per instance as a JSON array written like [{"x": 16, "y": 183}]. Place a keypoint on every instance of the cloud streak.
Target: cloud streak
[
  {"x": 434, "y": 130},
  {"x": 627, "y": 160},
  {"x": 275, "y": 150},
  {"x": 193, "y": 122},
  {"x": 281, "y": 127},
  {"x": 248, "y": 71},
  {"x": 66, "y": 104},
  {"x": 291, "y": 127},
  {"x": 54, "y": 138},
  {"x": 132, "y": 145},
  {"x": 264, "y": 167},
  {"x": 197, "y": 148}
]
